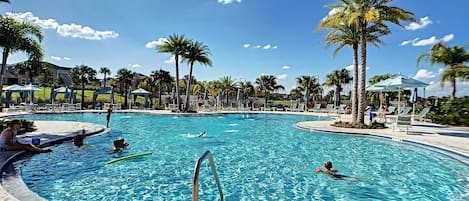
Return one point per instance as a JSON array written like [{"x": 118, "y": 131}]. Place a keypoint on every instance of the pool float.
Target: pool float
[{"x": 129, "y": 157}]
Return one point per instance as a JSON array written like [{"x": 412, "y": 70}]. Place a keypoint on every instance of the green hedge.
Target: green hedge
[{"x": 450, "y": 112}]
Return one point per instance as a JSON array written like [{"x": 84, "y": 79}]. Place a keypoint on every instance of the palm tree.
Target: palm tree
[
  {"x": 380, "y": 96},
  {"x": 363, "y": 14},
  {"x": 196, "y": 52},
  {"x": 105, "y": 71},
  {"x": 247, "y": 89},
  {"x": 227, "y": 85},
  {"x": 18, "y": 36},
  {"x": 267, "y": 84},
  {"x": 80, "y": 76},
  {"x": 343, "y": 34},
  {"x": 32, "y": 69},
  {"x": 177, "y": 46},
  {"x": 337, "y": 78},
  {"x": 308, "y": 84},
  {"x": 163, "y": 80},
  {"x": 125, "y": 77},
  {"x": 6, "y": 1},
  {"x": 455, "y": 58}
]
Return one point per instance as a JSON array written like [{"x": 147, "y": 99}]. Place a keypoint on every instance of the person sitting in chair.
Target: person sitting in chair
[{"x": 8, "y": 141}]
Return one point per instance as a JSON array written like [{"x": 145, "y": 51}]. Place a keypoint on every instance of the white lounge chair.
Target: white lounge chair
[
  {"x": 402, "y": 121},
  {"x": 422, "y": 114}
]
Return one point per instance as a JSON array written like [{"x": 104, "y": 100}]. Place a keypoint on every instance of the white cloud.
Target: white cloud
[
  {"x": 56, "y": 58},
  {"x": 66, "y": 58},
  {"x": 135, "y": 65},
  {"x": 266, "y": 47},
  {"x": 274, "y": 47},
  {"x": 441, "y": 70},
  {"x": 257, "y": 46},
  {"x": 331, "y": 13},
  {"x": 424, "y": 74},
  {"x": 172, "y": 60},
  {"x": 224, "y": 2},
  {"x": 422, "y": 23},
  {"x": 65, "y": 30},
  {"x": 435, "y": 89},
  {"x": 153, "y": 44},
  {"x": 350, "y": 67},
  {"x": 246, "y": 45},
  {"x": 285, "y": 67},
  {"x": 429, "y": 41},
  {"x": 282, "y": 76}
]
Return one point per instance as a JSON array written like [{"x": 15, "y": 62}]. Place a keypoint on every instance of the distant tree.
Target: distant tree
[
  {"x": 163, "y": 81},
  {"x": 196, "y": 52},
  {"x": 177, "y": 46},
  {"x": 32, "y": 69},
  {"x": 81, "y": 75},
  {"x": 106, "y": 71},
  {"x": 125, "y": 76},
  {"x": 456, "y": 58},
  {"x": 338, "y": 78},
  {"x": 227, "y": 85},
  {"x": 247, "y": 89},
  {"x": 267, "y": 84},
  {"x": 308, "y": 84}
]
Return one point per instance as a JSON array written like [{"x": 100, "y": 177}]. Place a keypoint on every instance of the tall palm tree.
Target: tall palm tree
[
  {"x": 455, "y": 58},
  {"x": 338, "y": 78},
  {"x": 18, "y": 36},
  {"x": 308, "y": 84},
  {"x": 197, "y": 52},
  {"x": 267, "y": 84},
  {"x": 125, "y": 76},
  {"x": 343, "y": 34},
  {"x": 362, "y": 14},
  {"x": 247, "y": 89},
  {"x": 177, "y": 46},
  {"x": 81, "y": 75},
  {"x": 227, "y": 85},
  {"x": 106, "y": 71},
  {"x": 163, "y": 80}
]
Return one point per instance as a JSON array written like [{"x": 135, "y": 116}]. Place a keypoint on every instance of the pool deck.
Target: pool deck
[{"x": 453, "y": 141}]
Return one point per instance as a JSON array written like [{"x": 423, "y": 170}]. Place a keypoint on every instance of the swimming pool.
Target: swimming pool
[{"x": 258, "y": 157}]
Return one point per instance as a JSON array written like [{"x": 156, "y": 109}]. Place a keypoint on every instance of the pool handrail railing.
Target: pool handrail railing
[{"x": 195, "y": 178}]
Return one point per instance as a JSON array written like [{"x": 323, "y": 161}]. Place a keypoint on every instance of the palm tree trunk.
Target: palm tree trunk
[
  {"x": 2, "y": 72},
  {"x": 452, "y": 89},
  {"x": 82, "y": 94},
  {"x": 361, "y": 101},
  {"x": 337, "y": 95},
  {"x": 355, "y": 85},
  {"x": 176, "y": 58},
  {"x": 189, "y": 87},
  {"x": 104, "y": 80},
  {"x": 266, "y": 99},
  {"x": 159, "y": 94}
]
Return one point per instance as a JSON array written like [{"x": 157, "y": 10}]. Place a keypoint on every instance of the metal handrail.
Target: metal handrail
[{"x": 195, "y": 178}]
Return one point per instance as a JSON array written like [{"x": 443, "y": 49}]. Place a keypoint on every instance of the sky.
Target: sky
[{"x": 247, "y": 38}]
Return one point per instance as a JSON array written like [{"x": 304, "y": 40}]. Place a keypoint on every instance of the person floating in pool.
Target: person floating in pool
[
  {"x": 203, "y": 133},
  {"x": 330, "y": 171},
  {"x": 119, "y": 145},
  {"x": 8, "y": 141}
]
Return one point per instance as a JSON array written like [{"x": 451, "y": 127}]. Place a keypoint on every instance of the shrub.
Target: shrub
[
  {"x": 449, "y": 112},
  {"x": 374, "y": 125}
]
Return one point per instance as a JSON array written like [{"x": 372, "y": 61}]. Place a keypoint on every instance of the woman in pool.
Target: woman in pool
[
  {"x": 119, "y": 145},
  {"x": 330, "y": 171},
  {"x": 8, "y": 141}
]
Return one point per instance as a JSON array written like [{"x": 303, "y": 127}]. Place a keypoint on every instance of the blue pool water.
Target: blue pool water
[{"x": 258, "y": 157}]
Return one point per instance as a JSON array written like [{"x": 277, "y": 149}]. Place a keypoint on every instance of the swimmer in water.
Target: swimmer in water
[
  {"x": 203, "y": 134},
  {"x": 330, "y": 171}
]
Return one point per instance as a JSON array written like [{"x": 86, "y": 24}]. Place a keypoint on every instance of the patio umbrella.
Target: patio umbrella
[
  {"x": 52, "y": 96},
  {"x": 173, "y": 96},
  {"x": 413, "y": 99},
  {"x": 31, "y": 88},
  {"x": 400, "y": 82}
]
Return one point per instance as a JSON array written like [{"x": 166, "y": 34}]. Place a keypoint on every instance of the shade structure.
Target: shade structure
[
  {"x": 69, "y": 93},
  {"x": 103, "y": 91},
  {"x": 142, "y": 92},
  {"x": 31, "y": 88},
  {"x": 206, "y": 94},
  {"x": 400, "y": 82},
  {"x": 238, "y": 94}
]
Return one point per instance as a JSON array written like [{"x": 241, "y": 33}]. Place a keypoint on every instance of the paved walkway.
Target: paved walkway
[{"x": 455, "y": 139}]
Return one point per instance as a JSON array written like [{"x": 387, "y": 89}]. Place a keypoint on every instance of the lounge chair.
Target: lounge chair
[
  {"x": 300, "y": 108},
  {"x": 329, "y": 108},
  {"x": 316, "y": 108},
  {"x": 402, "y": 120},
  {"x": 293, "y": 107},
  {"x": 422, "y": 114},
  {"x": 404, "y": 111}
]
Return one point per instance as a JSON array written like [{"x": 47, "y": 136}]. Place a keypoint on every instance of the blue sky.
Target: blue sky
[{"x": 247, "y": 38}]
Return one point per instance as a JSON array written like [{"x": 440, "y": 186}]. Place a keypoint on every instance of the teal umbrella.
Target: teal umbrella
[{"x": 400, "y": 82}]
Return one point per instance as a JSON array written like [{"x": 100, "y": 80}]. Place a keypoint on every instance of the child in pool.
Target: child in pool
[
  {"x": 330, "y": 171},
  {"x": 119, "y": 145}
]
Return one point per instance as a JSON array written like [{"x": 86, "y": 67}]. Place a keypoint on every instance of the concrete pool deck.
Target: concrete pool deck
[{"x": 432, "y": 136}]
